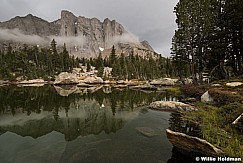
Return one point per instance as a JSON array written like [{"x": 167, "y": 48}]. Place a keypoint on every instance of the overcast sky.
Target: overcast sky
[{"x": 151, "y": 20}]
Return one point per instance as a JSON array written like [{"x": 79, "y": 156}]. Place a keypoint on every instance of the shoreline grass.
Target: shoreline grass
[{"x": 216, "y": 120}]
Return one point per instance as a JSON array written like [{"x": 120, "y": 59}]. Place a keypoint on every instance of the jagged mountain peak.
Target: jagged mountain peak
[{"x": 28, "y": 17}]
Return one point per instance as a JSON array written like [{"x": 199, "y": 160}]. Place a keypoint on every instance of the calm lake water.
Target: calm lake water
[{"x": 100, "y": 124}]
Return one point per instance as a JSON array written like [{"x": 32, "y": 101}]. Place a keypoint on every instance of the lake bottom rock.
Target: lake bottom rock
[{"x": 146, "y": 131}]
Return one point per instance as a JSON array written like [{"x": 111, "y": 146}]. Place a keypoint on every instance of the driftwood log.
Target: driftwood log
[{"x": 237, "y": 120}]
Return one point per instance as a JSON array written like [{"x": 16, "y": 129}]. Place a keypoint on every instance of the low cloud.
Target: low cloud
[
  {"x": 124, "y": 38},
  {"x": 16, "y": 35}
]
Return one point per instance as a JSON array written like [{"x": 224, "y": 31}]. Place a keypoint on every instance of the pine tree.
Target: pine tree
[
  {"x": 233, "y": 15},
  {"x": 53, "y": 46},
  {"x": 99, "y": 62},
  {"x": 65, "y": 61},
  {"x": 112, "y": 57},
  {"x": 201, "y": 37},
  {"x": 88, "y": 66}
]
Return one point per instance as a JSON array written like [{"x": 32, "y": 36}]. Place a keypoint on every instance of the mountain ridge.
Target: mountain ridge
[
  {"x": 21, "y": 23},
  {"x": 83, "y": 36}
]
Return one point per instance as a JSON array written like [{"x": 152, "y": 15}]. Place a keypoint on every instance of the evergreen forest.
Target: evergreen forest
[
  {"x": 31, "y": 62},
  {"x": 132, "y": 66},
  {"x": 209, "y": 39}
]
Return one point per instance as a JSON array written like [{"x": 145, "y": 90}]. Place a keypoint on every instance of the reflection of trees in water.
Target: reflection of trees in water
[
  {"x": 91, "y": 118},
  {"x": 178, "y": 124},
  {"x": 36, "y": 99}
]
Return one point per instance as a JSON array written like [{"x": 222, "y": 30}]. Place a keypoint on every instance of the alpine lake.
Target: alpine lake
[{"x": 52, "y": 124}]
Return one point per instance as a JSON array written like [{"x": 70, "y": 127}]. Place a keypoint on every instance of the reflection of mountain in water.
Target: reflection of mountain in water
[
  {"x": 85, "y": 120},
  {"x": 36, "y": 111}
]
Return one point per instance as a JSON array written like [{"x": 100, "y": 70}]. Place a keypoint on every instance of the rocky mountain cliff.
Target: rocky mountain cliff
[
  {"x": 84, "y": 37},
  {"x": 32, "y": 25}
]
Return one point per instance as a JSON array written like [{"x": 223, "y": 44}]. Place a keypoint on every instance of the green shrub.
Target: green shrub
[
  {"x": 230, "y": 112},
  {"x": 216, "y": 126},
  {"x": 193, "y": 91},
  {"x": 223, "y": 97}
]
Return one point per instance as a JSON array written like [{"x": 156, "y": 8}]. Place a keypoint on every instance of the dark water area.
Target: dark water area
[
  {"x": 98, "y": 124},
  {"x": 178, "y": 124}
]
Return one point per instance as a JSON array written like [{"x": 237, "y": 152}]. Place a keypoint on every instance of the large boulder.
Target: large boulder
[
  {"x": 171, "y": 106},
  {"x": 207, "y": 98},
  {"x": 93, "y": 80},
  {"x": 164, "y": 82},
  {"x": 66, "y": 78},
  {"x": 234, "y": 84},
  {"x": 192, "y": 146}
]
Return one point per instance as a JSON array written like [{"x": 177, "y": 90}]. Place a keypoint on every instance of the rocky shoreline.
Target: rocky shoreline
[
  {"x": 219, "y": 116},
  {"x": 69, "y": 79},
  {"x": 185, "y": 144}
]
